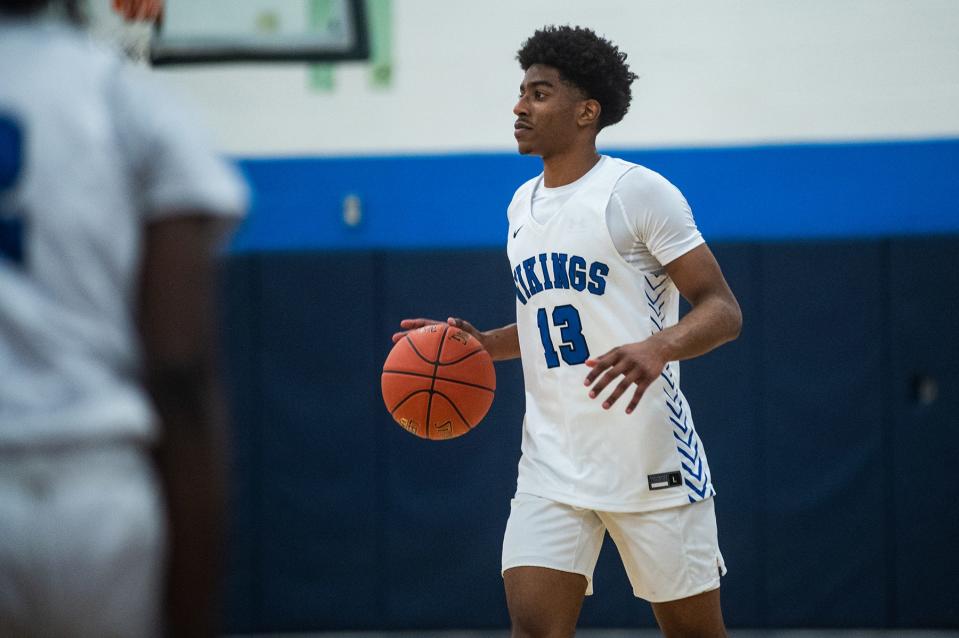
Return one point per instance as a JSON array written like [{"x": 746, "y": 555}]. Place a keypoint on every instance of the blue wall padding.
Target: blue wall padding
[
  {"x": 822, "y": 435},
  {"x": 924, "y": 514},
  {"x": 447, "y": 501},
  {"x": 725, "y": 392},
  {"x": 835, "y": 501},
  {"x": 748, "y": 193},
  {"x": 240, "y": 339},
  {"x": 319, "y": 496}
]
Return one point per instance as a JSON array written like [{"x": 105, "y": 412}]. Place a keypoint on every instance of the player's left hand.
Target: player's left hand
[{"x": 637, "y": 363}]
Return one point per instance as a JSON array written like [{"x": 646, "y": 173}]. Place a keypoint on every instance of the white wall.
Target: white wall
[{"x": 713, "y": 72}]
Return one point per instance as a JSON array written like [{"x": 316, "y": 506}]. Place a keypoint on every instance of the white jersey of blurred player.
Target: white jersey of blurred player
[{"x": 90, "y": 151}]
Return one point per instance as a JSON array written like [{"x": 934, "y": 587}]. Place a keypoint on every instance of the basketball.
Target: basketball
[{"x": 438, "y": 382}]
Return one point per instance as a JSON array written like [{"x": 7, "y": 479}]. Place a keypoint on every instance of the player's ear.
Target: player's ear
[{"x": 589, "y": 113}]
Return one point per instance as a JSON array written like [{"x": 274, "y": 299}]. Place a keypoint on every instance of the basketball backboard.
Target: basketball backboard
[{"x": 193, "y": 31}]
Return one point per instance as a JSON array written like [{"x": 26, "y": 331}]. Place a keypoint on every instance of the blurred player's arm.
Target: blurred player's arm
[
  {"x": 178, "y": 293},
  {"x": 714, "y": 319},
  {"x": 501, "y": 343}
]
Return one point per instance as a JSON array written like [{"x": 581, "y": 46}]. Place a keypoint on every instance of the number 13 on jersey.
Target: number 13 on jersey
[{"x": 573, "y": 348}]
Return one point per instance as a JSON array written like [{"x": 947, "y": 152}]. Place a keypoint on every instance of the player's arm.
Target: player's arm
[
  {"x": 178, "y": 293},
  {"x": 714, "y": 319},
  {"x": 501, "y": 343}
]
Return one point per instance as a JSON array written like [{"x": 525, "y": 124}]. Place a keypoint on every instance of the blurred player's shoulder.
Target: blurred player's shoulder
[
  {"x": 43, "y": 40},
  {"x": 43, "y": 51},
  {"x": 53, "y": 66}
]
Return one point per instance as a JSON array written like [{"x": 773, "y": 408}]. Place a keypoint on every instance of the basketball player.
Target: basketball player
[
  {"x": 600, "y": 251},
  {"x": 111, "y": 207}
]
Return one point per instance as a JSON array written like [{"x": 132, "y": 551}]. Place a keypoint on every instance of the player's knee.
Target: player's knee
[
  {"x": 695, "y": 632},
  {"x": 692, "y": 628},
  {"x": 540, "y": 621},
  {"x": 540, "y": 627}
]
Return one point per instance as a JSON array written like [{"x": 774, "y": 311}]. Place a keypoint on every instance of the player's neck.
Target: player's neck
[{"x": 567, "y": 167}]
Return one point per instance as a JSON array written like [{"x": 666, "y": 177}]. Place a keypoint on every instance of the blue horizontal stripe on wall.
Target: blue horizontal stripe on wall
[{"x": 740, "y": 193}]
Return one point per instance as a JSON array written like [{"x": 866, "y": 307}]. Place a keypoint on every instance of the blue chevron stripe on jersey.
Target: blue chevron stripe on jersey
[
  {"x": 695, "y": 475},
  {"x": 688, "y": 441},
  {"x": 678, "y": 413},
  {"x": 695, "y": 455},
  {"x": 700, "y": 491},
  {"x": 652, "y": 285},
  {"x": 698, "y": 472},
  {"x": 658, "y": 297},
  {"x": 682, "y": 426}
]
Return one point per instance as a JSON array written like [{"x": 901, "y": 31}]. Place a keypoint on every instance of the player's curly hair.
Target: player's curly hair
[{"x": 585, "y": 60}]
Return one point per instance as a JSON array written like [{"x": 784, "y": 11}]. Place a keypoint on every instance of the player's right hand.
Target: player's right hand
[{"x": 414, "y": 324}]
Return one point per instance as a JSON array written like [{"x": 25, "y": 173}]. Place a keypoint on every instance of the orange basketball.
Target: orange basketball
[{"x": 438, "y": 382}]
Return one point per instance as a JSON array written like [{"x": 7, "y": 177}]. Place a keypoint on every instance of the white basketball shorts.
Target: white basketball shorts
[
  {"x": 82, "y": 537},
  {"x": 669, "y": 554}
]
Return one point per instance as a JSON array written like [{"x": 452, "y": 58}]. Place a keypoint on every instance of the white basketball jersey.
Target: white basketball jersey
[
  {"x": 577, "y": 298},
  {"x": 90, "y": 151}
]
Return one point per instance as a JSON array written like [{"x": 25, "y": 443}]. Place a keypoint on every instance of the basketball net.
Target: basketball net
[{"x": 132, "y": 38}]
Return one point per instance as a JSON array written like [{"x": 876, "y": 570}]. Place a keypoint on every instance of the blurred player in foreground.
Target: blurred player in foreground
[
  {"x": 112, "y": 206},
  {"x": 600, "y": 250}
]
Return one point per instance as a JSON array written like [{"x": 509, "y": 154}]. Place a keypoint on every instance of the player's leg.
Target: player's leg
[
  {"x": 543, "y": 602},
  {"x": 549, "y": 553},
  {"x": 698, "y": 616},
  {"x": 673, "y": 560}
]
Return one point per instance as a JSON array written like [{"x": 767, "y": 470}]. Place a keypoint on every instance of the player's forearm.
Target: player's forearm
[
  {"x": 190, "y": 462},
  {"x": 502, "y": 343},
  {"x": 711, "y": 323}
]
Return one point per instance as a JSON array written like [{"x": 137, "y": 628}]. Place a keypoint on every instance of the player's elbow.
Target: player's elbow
[{"x": 734, "y": 319}]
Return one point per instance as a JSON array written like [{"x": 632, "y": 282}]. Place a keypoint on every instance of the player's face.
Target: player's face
[{"x": 546, "y": 112}]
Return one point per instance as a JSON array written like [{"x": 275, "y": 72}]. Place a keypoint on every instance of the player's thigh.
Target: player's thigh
[
  {"x": 669, "y": 554},
  {"x": 549, "y": 553},
  {"x": 543, "y": 602},
  {"x": 109, "y": 547}
]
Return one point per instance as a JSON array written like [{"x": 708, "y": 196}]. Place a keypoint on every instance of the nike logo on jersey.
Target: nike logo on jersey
[
  {"x": 516, "y": 232},
  {"x": 558, "y": 270}
]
